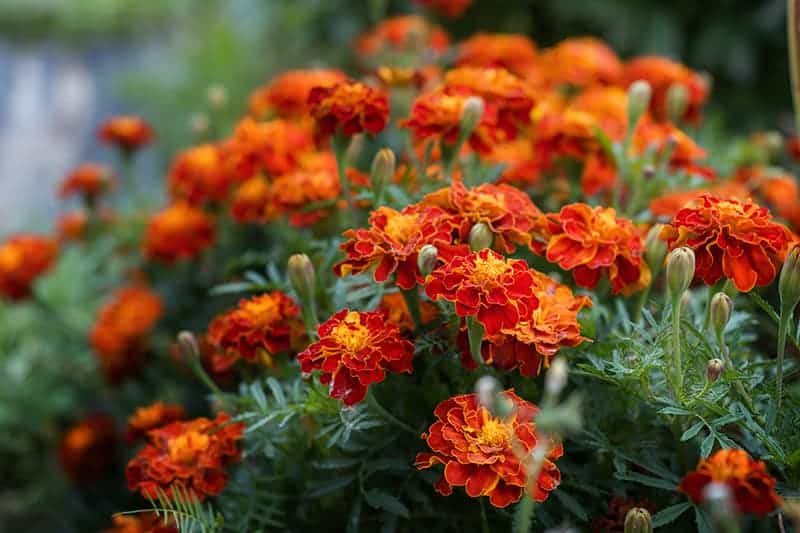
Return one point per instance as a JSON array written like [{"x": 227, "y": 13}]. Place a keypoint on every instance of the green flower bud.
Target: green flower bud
[
  {"x": 302, "y": 275},
  {"x": 638, "y": 520},
  {"x": 556, "y": 378},
  {"x": 487, "y": 388},
  {"x": 471, "y": 114},
  {"x": 187, "y": 344},
  {"x": 789, "y": 281},
  {"x": 680, "y": 271},
  {"x": 383, "y": 168},
  {"x": 480, "y": 237},
  {"x": 426, "y": 260},
  {"x": 217, "y": 96},
  {"x": 721, "y": 309},
  {"x": 677, "y": 101},
  {"x": 714, "y": 369},
  {"x": 655, "y": 249},
  {"x": 639, "y": 94}
]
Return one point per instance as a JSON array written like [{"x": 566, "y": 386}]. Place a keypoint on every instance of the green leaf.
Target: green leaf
[
  {"x": 703, "y": 521},
  {"x": 707, "y": 445},
  {"x": 334, "y": 463},
  {"x": 646, "y": 480},
  {"x": 277, "y": 391},
  {"x": 674, "y": 410},
  {"x": 670, "y": 514},
  {"x": 383, "y": 500},
  {"x": 692, "y": 431},
  {"x": 329, "y": 486},
  {"x": 572, "y": 505}
]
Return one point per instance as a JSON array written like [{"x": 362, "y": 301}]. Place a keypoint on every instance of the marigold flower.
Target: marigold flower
[
  {"x": 350, "y": 107},
  {"x": 447, "y": 8},
  {"x": 315, "y": 181},
  {"x": 252, "y": 201},
  {"x": 149, "y": 522},
  {"x": 178, "y": 232},
  {"x": 580, "y": 62},
  {"x": 271, "y": 148},
  {"x": 287, "y": 94},
  {"x": 662, "y": 73},
  {"x": 752, "y": 486},
  {"x": 355, "y": 350},
  {"x": 89, "y": 180},
  {"x": 394, "y": 306},
  {"x": 593, "y": 242},
  {"x": 408, "y": 33},
  {"x": 668, "y": 205},
  {"x": 487, "y": 455},
  {"x": 513, "y": 52},
  {"x": 86, "y": 451},
  {"x": 497, "y": 291},
  {"x": 257, "y": 329},
  {"x": 72, "y": 226},
  {"x": 520, "y": 166},
  {"x": 730, "y": 238},
  {"x": 192, "y": 454},
  {"x": 23, "y": 258},
  {"x": 150, "y": 417},
  {"x": 391, "y": 244},
  {"x": 120, "y": 331},
  {"x": 127, "y": 132},
  {"x": 198, "y": 175}
]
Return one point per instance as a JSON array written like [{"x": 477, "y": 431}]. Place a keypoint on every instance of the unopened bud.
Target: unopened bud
[
  {"x": 718, "y": 498},
  {"x": 486, "y": 388},
  {"x": 383, "y": 168},
  {"x": 480, "y": 237},
  {"x": 199, "y": 124},
  {"x": 721, "y": 309},
  {"x": 556, "y": 378},
  {"x": 789, "y": 281},
  {"x": 639, "y": 94},
  {"x": 187, "y": 344},
  {"x": 680, "y": 271},
  {"x": 217, "y": 96},
  {"x": 677, "y": 101},
  {"x": 301, "y": 275},
  {"x": 638, "y": 520},
  {"x": 502, "y": 407},
  {"x": 471, "y": 114},
  {"x": 714, "y": 369},
  {"x": 655, "y": 249},
  {"x": 686, "y": 299},
  {"x": 426, "y": 260}
]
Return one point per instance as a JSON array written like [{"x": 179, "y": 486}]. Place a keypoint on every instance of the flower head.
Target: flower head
[
  {"x": 86, "y": 451},
  {"x": 150, "y": 417},
  {"x": 668, "y": 205},
  {"x": 752, "y": 486},
  {"x": 580, "y": 62},
  {"x": 198, "y": 175},
  {"x": 89, "y": 180},
  {"x": 355, "y": 350},
  {"x": 403, "y": 34},
  {"x": 447, "y": 8},
  {"x": 734, "y": 239},
  {"x": 394, "y": 306},
  {"x": 149, "y": 522},
  {"x": 487, "y": 455},
  {"x": 350, "y": 107},
  {"x": 178, "y": 232},
  {"x": 315, "y": 181},
  {"x": 662, "y": 73},
  {"x": 252, "y": 201},
  {"x": 23, "y": 258},
  {"x": 514, "y": 52},
  {"x": 270, "y": 148},
  {"x": 192, "y": 454},
  {"x": 287, "y": 94},
  {"x": 127, "y": 132}
]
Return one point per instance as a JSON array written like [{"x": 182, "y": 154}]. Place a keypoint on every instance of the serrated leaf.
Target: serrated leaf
[
  {"x": 329, "y": 486},
  {"x": 277, "y": 390},
  {"x": 383, "y": 500},
  {"x": 692, "y": 431},
  {"x": 707, "y": 445},
  {"x": 670, "y": 514}
]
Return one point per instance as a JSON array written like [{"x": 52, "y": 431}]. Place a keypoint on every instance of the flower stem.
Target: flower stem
[
  {"x": 741, "y": 391},
  {"x": 523, "y": 516},
  {"x": 783, "y": 327},
  {"x": 475, "y": 336},
  {"x": 676, "y": 346},
  {"x": 386, "y": 415},
  {"x": 340, "y": 145},
  {"x": 411, "y": 297},
  {"x": 642, "y": 301}
]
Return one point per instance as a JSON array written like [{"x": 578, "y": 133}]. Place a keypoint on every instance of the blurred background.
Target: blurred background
[{"x": 65, "y": 65}]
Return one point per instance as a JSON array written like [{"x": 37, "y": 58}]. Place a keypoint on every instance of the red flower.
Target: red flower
[
  {"x": 401, "y": 35},
  {"x": 287, "y": 94},
  {"x": 581, "y": 62},
  {"x": 355, "y": 350},
  {"x": 178, "y": 232},
  {"x": 23, "y": 258},
  {"x": 662, "y": 73},
  {"x": 198, "y": 175},
  {"x": 252, "y": 202},
  {"x": 516, "y": 53},
  {"x": 448, "y": 8},
  {"x": 127, "y": 132},
  {"x": 752, "y": 486},
  {"x": 350, "y": 107},
  {"x": 86, "y": 451},
  {"x": 484, "y": 284},
  {"x": 192, "y": 454},
  {"x": 486, "y": 455},
  {"x": 270, "y": 148},
  {"x": 150, "y": 417},
  {"x": 667, "y": 205},
  {"x": 730, "y": 238},
  {"x": 89, "y": 180}
]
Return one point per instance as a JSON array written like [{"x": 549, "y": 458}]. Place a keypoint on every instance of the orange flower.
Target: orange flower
[
  {"x": 580, "y": 62},
  {"x": 781, "y": 192},
  {"x": 126, "y": 132},
  {"x": 661, "y": 73},
  {"x": 148, "y": 522},
  {"x": 23, "y": 258},
  {"x": 316, "y": 180},
  {"x": 752, "y": 487},
  {"x": 150, "y": 417},
  {"x": 198, "y": 175},
  {"x": 668, "y": 205},
  {"x": 349, "y": 107},
  {"x": 257, "y": 329},
  {"x": 486, "y": 455},
  {"x": 355, "y": 350},
  {"x": 448, "y": 8},
  {"x": 393, "y": 305},
  {"x": 484, "y": 284},
  {"x": 730, "y": 238},
  {"x": 72, "y": 226},
  {"x": 514, "y": 52},
  {"x": 270, "y": 148},
  {"x": 520, "y": 166},
  {"x": 192, "y": 454},
  {"x": 178, "y": 232},
  {"x": 86, "y": 451},
  {"x": 685, "y": 153},
  {"x": 391, "y": 244},
  {"x": 403, "y": 34},
  {"x": 593, "y": 242},
  {"x": 252, "y": 201},
  {"x": 120, "y": 331},
  {"x": 88, "y": 180},
  {"x": 287, "y": 94}
]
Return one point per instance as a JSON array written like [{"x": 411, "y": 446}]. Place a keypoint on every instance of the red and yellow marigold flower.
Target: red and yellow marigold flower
[
  {"x": 513, "y": 52},
  {"x": 192, "y": 454},
  {"x": 486, "y": 455},
  {"x": 499, "y": 292},
  {"x": 86, "y": 451},
  {"x": 269, "y": 148},
  {"x": 349, "y": 107},
  {"x": 198, "y": 175},
  {"x": 667, "y": 205},
  {"x": 520, "y": 166},
  {"x": 256, "y": 330},
  {"x": 580, "y": 62},
  {"x": 737, "y": 240},
  {"x": 152, "y": 416},
  {"x": 127, "y": 132},
  {"x": 662, "y": 73},
  {"x": 252, "y": 201},
  {"x": 394, "y": 306},
  {"x": 23, "y": 258},
  {"x": 149, "y": 522},
  {"x": 355, "y": 350},
  {"x": 447, "y": 8},
  {"x": 391, "y": 244},
  {"x": 178, "y": 232},
  {"x": 287, "y": 94},
  {"x": 403, "y": 34},
  {"x": 89, "y": 180},
  {"x": 752, "y": 486},
  {"x": 593, "y": 242},
  {"x": 316, "y": 180}
]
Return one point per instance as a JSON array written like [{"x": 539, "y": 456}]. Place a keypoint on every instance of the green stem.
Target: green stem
[
  {"x": 411, "y": 297},
  {"x": 475, "y": 335},
  {"x": 742, "y": 392},
  {"x": 783, "y": 327},
  {"x": 340, "y": 145},
  {"x": 484, "y": 519},
  {"x": 643, "y": 300},
  {"x": 676, "y": 346},
  {"x": 523, "y": 516},
  {"x": 197, "y": 367},
  {"x": 386, "y": 415}
]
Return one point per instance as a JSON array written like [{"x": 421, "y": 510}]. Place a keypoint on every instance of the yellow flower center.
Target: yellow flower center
[
  {"x": 494, "y": 433},
  {"x": 262, "y": 310},
  {"x": 11, "y": 257},
  {"x": 401, "y": 227},
  {"x": 489, "y": 270},
  {"x": 185, "y": 449},
  {"x": 351, "y": 334}
]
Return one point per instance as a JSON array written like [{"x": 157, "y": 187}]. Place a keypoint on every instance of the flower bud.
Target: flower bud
[
  {"x": 789, "y": 281},
  {"x": 199, "y": 123},
  {"x": 718, "y": 497},
  {"x": 714, "y": 369},
  {"x": 649, "y": 171},
  {"x": 302, "y": 275},
  {"x": 655, "y": 249},
  {"x": 680, "y": 271},
  {"x": 686, "y": 299},
  {"x": 721, "y": 309},
  {"x": 486, "y": 388},
  {"x": 638, "y": 99},
  {"x": 638, "y": 520},
  {"x": 480, "y": 237},
  {"x": 502, "y": 407},
  {"x": 677, "y": 101},
  {"x": 426, "y": 260},
  {"x": 217, "y": 96},
  {"x": 187, "y": 344},
  {"x": 383, "y": 168},
  {"x": 556, "y": 378},
  {"x": 471, "y": 114}
]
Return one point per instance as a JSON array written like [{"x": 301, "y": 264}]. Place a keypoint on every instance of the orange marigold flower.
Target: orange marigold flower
[
  {"x": 127, "y": 132},
  {"x": 23, "y": 258},
  {"x": 394, "y": 306},
  {"x": 149, "y": 522},
  {"x": 730, "y": 238},
  {"x": 520, "y": 166},
  {"x": 198, "y": 175},
  {"x": 781, "y": 192},
  {"x": 150, "y": 417},
  {"x": 752, "y": 487},
  {"x": 407, "y": 33},
  {"x": 257, "y": 329},
  {"x": 513, "y": 52},
  {"x": 487, "y": 455},
  {"x": 661, "y": 73},
  {"x": 252, "y": 201},
  {"x": 593, "y": 242},
  {"x": 72, "y": 226},
  {"x": 355, "y": 350},
  {"x": 271, "y": 148},
  {"x": 580, "y": 62},
  {"x": 316, "y": 180},
  {"x": 685, "y": 151},
  {"x": 391, "y": 244},
  {"x": 447, "y": 8},
  {"x": 287, "y": 94},
  {"x": 86, "y": 451},
  {"x": 497, "y": 291},
  {"x": 668, "y": 205},
  {"x": 120, "y": 331},
  {"x": 192, "y": 454},
  {"x": 178, "y": 232},
  {"x": 89, "y": 180},
  {"x": 350, "y": 107}
]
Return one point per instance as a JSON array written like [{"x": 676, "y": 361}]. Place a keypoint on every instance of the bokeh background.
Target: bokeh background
[{"x": 67, "y": 64}]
